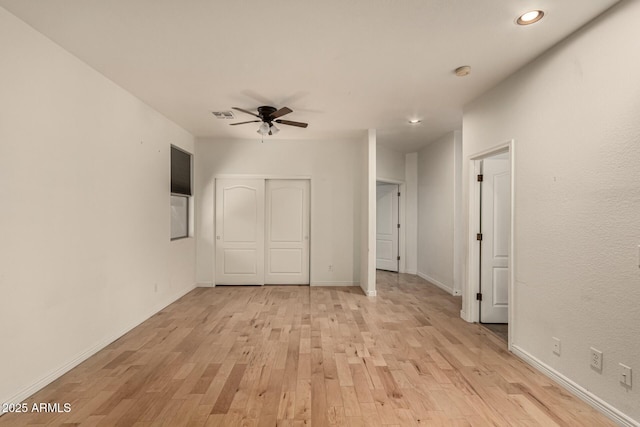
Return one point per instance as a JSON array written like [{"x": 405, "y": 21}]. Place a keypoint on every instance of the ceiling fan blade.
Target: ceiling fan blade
[
  {"x": 245, "y": 111},
  {"x": 290, "y": 123},
  {"x": 281, "y": 112},
  {"x": 242, "y": 123}
]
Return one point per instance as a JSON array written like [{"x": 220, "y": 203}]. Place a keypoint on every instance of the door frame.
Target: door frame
[
  {"x": 265, "y": 177},
  {"x": 402, "y": 246},
  {"x": 471, "y": 312}
]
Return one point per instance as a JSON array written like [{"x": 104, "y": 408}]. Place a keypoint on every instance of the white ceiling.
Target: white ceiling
[{"x": 342, "y": 65}]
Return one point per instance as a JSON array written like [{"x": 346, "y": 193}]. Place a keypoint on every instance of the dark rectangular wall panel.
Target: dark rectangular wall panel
[{"x": 180, "y": 172}]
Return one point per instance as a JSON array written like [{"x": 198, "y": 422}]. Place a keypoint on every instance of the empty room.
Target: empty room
[{"x": 290, "y": 213}]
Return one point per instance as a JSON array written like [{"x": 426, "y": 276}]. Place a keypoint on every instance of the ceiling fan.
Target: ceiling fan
[{"x": 268, "y": 115}]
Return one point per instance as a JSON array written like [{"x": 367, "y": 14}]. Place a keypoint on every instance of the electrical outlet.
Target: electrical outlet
[
  {"x": 625, "y": 375},
  {"x": 330, "y": 267},
  {"x": 596, "y": 359},
  {"x": 556, "y": 345},
  {"x": 155, "y": 287}
]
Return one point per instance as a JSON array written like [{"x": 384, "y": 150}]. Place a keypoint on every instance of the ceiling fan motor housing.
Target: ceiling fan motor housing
[{"x": 265, "y": 113}]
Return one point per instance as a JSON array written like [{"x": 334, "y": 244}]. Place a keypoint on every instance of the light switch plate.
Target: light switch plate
[
  {"x": 625, "y": 375},
  {"x": 556, "y": 345}
]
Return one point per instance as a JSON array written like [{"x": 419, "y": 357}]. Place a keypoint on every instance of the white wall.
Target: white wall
[
  {"x": 436, "y": 190},
  {"x": 459, "y": 234},
  {"x": 411, "y": 200},
  {"x": 573, "y": 114},
  {"x": 335, "y": 171},
  {"x": 85, "y": 218},
  {"x": 390, "y": 164},
  {"x": 368, "y": 214}
]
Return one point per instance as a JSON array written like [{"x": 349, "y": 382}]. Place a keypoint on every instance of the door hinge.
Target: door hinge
[
  {"x": 479, "y": 296},
  {"x": 398, "y": 194},
  {"x": 480, "y": 177},
  {"x": 398, "y": 257},
  {"x": 398, "y": 225},
  {"x": 479, "y": 236}
]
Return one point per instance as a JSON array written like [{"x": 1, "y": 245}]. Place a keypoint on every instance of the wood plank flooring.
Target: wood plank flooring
[{"x": 300, "y": 356}]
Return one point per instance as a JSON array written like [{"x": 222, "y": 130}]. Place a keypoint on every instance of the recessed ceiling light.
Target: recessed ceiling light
[
  {"x": 465, "y": 70},
  {"x": 530, "y": 17},
  {"x": 414, "y": 121}
]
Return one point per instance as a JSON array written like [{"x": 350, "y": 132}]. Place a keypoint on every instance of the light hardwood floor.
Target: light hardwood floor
[{"x": 294, "y": 356}]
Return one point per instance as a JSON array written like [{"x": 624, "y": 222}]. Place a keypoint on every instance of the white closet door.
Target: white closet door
[
  {"x": 240, "y": 231},
  {"x": 496, "y": 206},
  {"x": 387, "y": 227},
  {"x": 287, "y": 232}
]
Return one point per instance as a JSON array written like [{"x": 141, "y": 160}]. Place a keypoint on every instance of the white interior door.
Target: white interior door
[
  {"x": 387, "y": 227},
  {"x": 287, "y": 232},
  {"x": 496, "y": 225},
  {"x": 240, "y": 231}
]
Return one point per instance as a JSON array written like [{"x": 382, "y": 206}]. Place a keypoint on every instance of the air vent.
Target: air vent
[{"x": 224, "y": 115}]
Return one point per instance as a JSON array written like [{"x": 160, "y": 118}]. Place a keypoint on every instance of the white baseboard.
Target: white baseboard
[
  {"x": 414, "y": 272},
  {"x": 205, "y": 285},
  {"x": 463, "y": 316},
  {"x": 576, "y": 389},
  {"x": 60, "y": 371},
  {"x": 368, "y": 292},
  {"x": 437, "y": 283},
  {"x": 316, "y": 283}
]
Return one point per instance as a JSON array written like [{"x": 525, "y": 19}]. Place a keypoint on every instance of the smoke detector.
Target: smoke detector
[{"x": 465, "y": 70}]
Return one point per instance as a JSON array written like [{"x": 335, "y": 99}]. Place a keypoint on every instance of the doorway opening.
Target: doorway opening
[{"x": 490, "y": 292}]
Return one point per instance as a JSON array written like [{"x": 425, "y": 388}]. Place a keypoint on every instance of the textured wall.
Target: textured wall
[
  {"x": 390, "y": 164},
  {"x": 436, "y": 211},
  {"x": 573, "y": 114},
  {"x": 411, "y": 200},
  {"x": 85, "y": 218},
  {"x": 335, "y": 171}
]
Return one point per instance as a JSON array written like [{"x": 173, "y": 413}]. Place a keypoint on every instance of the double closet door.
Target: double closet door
[{"x": 262, "y": 232}]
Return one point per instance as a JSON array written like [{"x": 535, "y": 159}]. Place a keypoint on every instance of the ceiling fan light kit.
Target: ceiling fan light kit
[
  {"x": 268, "y": 116},
  {"x": 263, "y": 129}
]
